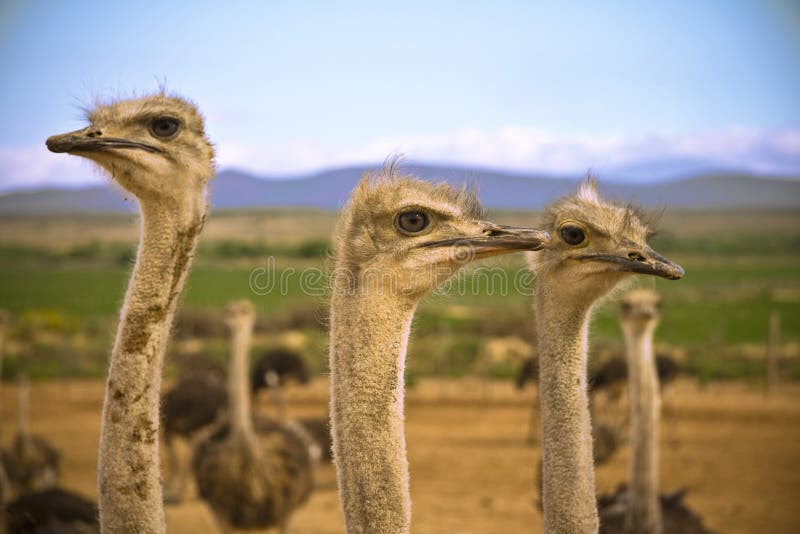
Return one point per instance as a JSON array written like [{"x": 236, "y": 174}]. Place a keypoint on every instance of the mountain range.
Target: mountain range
[{"x": 329, "y": 189}]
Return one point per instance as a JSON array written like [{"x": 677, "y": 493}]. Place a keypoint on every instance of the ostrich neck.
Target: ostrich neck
[
  {"x": 568, "y": 468},
  {"x": 369, "y": 337},
  {"x": 241, "y": 421},
  {"x": 128, "y": 464},
  {"x": 643, "y": 515}
]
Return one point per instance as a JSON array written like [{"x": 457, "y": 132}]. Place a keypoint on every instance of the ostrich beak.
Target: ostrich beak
[
  {"x": 90, "y": 140},
  {"x": 495, "y": 239},
  {"x": 643, "y": 261}
]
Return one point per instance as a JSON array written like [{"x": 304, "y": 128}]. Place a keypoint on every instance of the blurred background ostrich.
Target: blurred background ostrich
[
  {"x": 276, "y": 368},
  {"x": 31, "y": 462},
  {"x": 640, "y": 507},
  {"x": 251, "y": 475},
  {"x": 190, "y": 410},
  {"x": 30, "y": 499}
]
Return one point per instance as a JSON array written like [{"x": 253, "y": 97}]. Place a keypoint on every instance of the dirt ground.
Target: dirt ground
[{"x": 472, "y": 471}]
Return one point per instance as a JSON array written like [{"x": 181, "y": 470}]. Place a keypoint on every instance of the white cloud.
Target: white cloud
[
  {"x": 524, "y": 149},
  {"x": 510, "y": 148}
]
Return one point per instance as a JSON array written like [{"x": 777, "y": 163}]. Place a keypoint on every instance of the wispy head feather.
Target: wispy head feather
[{"x": 587, "y": 190}]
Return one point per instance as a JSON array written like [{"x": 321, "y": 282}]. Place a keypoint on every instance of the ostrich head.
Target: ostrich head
[
  {"x": 641, "y": 310},
  {"x": 596, "y": 244},
  {"x": 409, "y": 235},
  {"x": 240, "y": 315},
  {"x": 155, "y": 147}
]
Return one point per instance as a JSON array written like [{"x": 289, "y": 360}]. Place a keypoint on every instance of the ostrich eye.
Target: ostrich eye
[
  {"x": 572, "y": 234},
  {"x": 164, "y": 127},
  {"x": 412, "y": 222}
]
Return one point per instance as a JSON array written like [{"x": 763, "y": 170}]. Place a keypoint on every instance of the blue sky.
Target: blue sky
[{"x": 536, "y": 86}]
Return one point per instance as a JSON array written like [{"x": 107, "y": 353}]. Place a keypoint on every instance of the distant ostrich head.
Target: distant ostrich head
[
  {"x": 416, "y": 234},
  {"x": 240, "y": 313},
  {"x": 155, "y": 147},
  {"x": 596, "y": 244},
  {"x": 641, "y": 310}
]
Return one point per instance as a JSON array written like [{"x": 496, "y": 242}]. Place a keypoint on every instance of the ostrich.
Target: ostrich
[
  {"x": 33, "y": 467},
  {"x": 607, "y": 435},
  {"x": 397, "y": 239},
  {"x": 198, "y": 364},
  {"x": 606, "y": 439},
  {"x": 596, "y": 245},
  {"x": 318, "y": 430},
  {"x": 39, "y": 506},
  {"x": 189, "y": 411},
  {"x": 614, "y": 373},
  {"x": 609, "y": 376},
  {"x": 529, "y": 372},
  {"x": 640, "y": 509},
  {"x": 156, "y": 148},
  {"x": 31, "y": 463},
  {"x": 52, "y": 510},
  {"x": 667, "y": 368},
  {"x": 286, "y": 364},
  {"x": 612, "y": 377},
  {"x": 252, "y": 476},
  {"x": 274, "y": 369}
]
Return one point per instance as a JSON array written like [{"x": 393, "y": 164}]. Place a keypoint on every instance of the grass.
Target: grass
[
  {"x": 92, "y": 292},
  {"x": 728, "y": 304},
  {"x": 735, "y": 279}
]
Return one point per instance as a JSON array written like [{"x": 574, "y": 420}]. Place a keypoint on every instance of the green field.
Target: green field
[
  {"x": 722, "y": 303},
  {"x": 70, "y": 279}
]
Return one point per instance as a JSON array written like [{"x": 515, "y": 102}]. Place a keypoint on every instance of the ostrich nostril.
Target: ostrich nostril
[
  {"x": 491, "y": 230},
  {"x": 635, "y": 256},
  {"x": 94, "y": 133}
]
